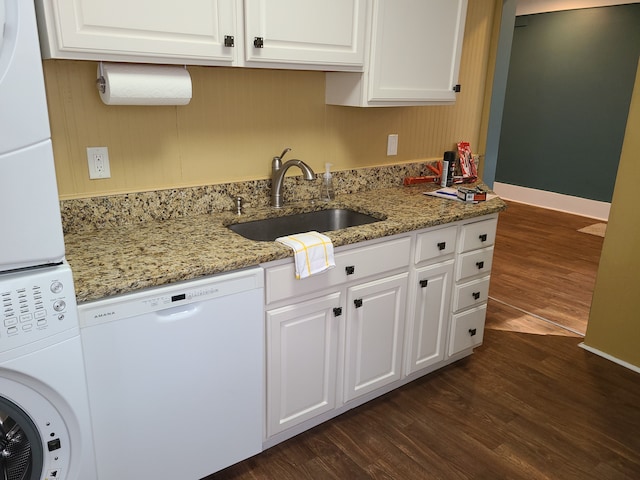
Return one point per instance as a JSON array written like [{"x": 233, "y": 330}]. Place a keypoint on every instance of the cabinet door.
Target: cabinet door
[
  {"x": 302, "y": 354},
  {"x": 193, "y": 30},
  {"x": 375, "y": 325},
  {"x": 305, "y": 32},
  {"x": 431, "y": 299},
  {"x": 416, "y": 47}
]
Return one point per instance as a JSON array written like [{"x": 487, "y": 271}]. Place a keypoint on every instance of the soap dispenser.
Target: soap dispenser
[{"x": 327, "y": 193}]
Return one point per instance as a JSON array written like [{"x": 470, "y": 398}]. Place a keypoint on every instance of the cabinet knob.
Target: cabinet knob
[
  {"x": 456, "y": 88},
  {"x": 483, "y": 237},
  {"x": 357, "y": 302},
  {"x": 424, "y": 283},
  {"x": 476, "y": 295},
  {"x": 480, "y": 265},
  {"x": 472, "y": 332},
  {"x": 350, "y": 270},
  {"x": 229, "y": 41},
  {"x": 442, "y": 245},
  {"x": 337, "y": 312},
  {"x": 258, "y": 42}
]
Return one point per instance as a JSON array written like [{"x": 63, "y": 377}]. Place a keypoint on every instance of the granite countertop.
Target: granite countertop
[{"x": 116, "y": 260}]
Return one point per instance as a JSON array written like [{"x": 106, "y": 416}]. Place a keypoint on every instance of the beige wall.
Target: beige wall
[
  {"x": 614, "y": 321},
  {"x": 240, "y": 118}
]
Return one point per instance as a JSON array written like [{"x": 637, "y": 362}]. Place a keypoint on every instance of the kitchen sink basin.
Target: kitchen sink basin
[{"x": 321, "y": 221}]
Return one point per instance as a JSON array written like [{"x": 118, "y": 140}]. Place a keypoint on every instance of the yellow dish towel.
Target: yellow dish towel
[{"x": 313, "y": 252}]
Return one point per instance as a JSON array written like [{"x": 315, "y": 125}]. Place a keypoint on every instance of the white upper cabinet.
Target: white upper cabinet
[
  {"x": 162, "y": 31},
  {"x": 306, "y": 33},
  {"x": 327, "y": 35},
  {"x": 414, "y": 57}
]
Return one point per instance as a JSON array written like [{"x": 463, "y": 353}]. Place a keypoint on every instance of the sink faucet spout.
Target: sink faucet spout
[{"x": 278, "y": 170}]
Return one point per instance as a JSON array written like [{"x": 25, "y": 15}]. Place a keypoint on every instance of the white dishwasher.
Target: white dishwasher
[{"x": 175, "y": 377}]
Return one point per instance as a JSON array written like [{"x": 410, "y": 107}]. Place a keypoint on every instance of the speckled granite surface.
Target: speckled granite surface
[
  {"x": 145, "y": 250},
  {"x": 116, "y": 210}
]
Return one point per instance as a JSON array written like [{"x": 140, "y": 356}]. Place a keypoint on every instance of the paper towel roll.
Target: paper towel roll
[{"x": 133, "y": 84}]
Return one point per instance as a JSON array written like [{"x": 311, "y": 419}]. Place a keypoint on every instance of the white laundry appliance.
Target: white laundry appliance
[{"x": 45, "y": 429}]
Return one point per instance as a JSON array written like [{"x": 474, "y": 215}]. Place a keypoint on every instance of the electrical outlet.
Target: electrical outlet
[
  {"x": 98, "y": 159},
  {"x": 392, "y": 144}
]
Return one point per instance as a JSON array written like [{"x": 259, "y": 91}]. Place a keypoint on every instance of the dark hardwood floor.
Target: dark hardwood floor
[
  {"x": 544, "y": 266},
  {"x": 524, "y": 406}
]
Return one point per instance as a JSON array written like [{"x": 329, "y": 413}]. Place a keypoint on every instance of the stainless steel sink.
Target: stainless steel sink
[{"x": 321, "y": 221}]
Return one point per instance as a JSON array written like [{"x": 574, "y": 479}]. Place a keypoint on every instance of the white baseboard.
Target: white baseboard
[
  {"x": 600, "y": 353},
  {"x": 554, "y": 201}
]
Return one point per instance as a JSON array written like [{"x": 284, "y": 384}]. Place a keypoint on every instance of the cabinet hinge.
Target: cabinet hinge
[{"x": 229, "y": 41}]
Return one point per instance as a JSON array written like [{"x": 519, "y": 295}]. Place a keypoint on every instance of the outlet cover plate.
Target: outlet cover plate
[{"x": 98, "y": 160}]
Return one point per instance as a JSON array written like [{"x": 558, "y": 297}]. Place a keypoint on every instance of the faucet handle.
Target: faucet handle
[
  {"x": 284, "y": 152},
  {"x": 276, "y": 163}
]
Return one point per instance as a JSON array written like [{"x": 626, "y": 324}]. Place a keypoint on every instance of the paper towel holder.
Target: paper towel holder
[{"x": 101, "y": 83}]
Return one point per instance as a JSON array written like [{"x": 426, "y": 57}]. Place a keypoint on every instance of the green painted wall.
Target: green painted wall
[{"x": 569, "y": 87}]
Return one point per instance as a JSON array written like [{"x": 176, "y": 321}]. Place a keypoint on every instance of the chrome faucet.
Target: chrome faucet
[{"x": 277, "y": 176}]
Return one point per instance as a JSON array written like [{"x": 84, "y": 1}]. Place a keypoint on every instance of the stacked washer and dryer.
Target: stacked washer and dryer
[{"x": 45, "y": 429}]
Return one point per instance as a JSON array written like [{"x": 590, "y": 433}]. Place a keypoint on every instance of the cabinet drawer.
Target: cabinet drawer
[
  {"x": 471, "y": 293},
  {"x": 436, "y": 243},
  {"x": 467, "y": 330},
  {"x": 363, "y": 262},
  {"x": 474, "y": 263},
  {"x": 478, "y": 235}
]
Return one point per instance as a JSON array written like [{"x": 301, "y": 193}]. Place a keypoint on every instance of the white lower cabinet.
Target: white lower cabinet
[
  {"x": 302, "y": 360},
  {"x": 471, "y": 290},
  {"x": 374, "y": 333},
  {"x": 390, "y": 311},
  {"x": 429, "y": 314},
  {"x": 323, "y": 351}
]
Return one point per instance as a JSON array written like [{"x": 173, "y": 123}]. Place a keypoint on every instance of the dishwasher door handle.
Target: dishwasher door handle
[{"x": 178, "y": 313}]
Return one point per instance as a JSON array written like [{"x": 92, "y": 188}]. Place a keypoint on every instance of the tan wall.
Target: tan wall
[
  {"x": 614, "y": 322},
  {"x": 240, "y": 118}
]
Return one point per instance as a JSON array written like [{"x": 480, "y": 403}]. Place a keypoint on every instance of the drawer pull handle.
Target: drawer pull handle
[
  {"x": 442, "y": 245},
  {"x": 480, "y": 265},
  {"x": 483, "y": 237},
  {"x": 424, "y": 283},
  {"x": 357, "y": 302},
  {"x": 472, "y": 332},
  {"x": 337, "y": 312},
  {"x": 476, "y": 295},
  {"x": 350, "y": 270}
]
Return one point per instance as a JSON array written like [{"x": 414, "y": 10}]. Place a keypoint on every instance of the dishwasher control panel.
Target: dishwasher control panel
[
  {"x": 165, "y": 297},
  {"x": 36, "y": 304}
]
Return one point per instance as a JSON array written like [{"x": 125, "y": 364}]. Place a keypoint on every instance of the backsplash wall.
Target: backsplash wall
[{"x": 239, "y": 118}]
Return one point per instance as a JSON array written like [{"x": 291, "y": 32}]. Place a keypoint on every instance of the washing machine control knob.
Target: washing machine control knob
[
  {"x": 59, "y": 305},
  {"x": 56, "y": 287}
]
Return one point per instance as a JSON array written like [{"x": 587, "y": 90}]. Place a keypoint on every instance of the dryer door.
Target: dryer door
[
  {"x": 20, "y": 443},
  {"x": 34, "y": 440}
]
